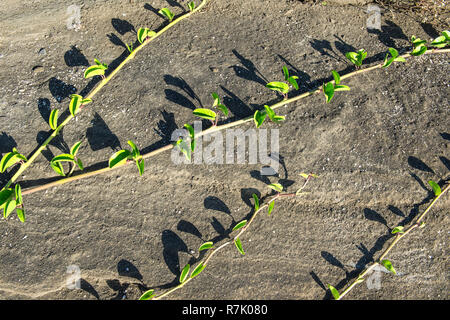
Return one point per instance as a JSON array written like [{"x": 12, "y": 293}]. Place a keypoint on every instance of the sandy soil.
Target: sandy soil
[{"x": 374, "y": 149}]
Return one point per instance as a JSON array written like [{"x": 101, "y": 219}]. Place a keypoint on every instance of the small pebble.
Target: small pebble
[
  {"x": 42, "y": 52},
  {"x": 38, "y": 69},
  {"x": 214, "y": 69}
]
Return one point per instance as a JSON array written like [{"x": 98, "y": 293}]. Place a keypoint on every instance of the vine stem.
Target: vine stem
[
  {"x": 97, "y": 88},
  {"x": 240, "y": 233},
  {"x": 214, "y": 128},
  {"x": 392, "y": 245}
]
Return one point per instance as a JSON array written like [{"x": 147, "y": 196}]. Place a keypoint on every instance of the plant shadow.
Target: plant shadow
[{"x": 100, "y": 136}]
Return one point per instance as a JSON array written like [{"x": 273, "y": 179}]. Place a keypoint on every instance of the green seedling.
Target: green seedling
[
  {"x": 10, "y": 159},
  {"x": 436, "y": 189},
  {"x": 12, "y": 199},
  {"x": 191, "y": 6},
  {"x": 167, "y": 13},
  {"x": 398, "y": 229},
  {"x": 356, "y": 57},
  {"x": 76, "y": 103},
  {"x": 182, "y": 145},
  {"x": 394, "y": 58},
  {"x": 144, "y": 34},
  {"x": 260, "y": 115},
  {"x": 210, "y": 114},
  {"x": 419, "y": 46},
  {"x": 71, "y": 157},
  {"x": 129, "y": 47},
  {"x": 96, "y": 70},
  {"x": 331, "y": 87},
  {"x": 283, "y": 87},
  {"x": 334, "y": 292},
  {"x": 442, "y": 41},
  {"x": 205, "y": 246},
  {"x": 123, "y": 156}
]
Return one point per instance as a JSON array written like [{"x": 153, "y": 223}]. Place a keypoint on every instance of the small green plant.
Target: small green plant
[
  {"x": 191, "y": 6},
  {"x": 442, "y": 41},
  {"x": 96, "y": 70},
  {"x": 210, "y": 114},
  {"x": 167, "y": 13},
  {"x": 283, "y": 87},
  {"x": 260, "y": 115},
  {"x": 394, "y": 58},
  {"x": 144, "y": 34},
  {"x": 419, "y": 46},
  {"x": 331, "y": 87},
  {"x": 357, "y": 57},
  {"x": 240, "y": 228},
  {"x": 10, "y": 159},
  {"x": 12, "y": 199},
  {"x": 123, "y": 156},
  {"x": 71, "y": 157}
]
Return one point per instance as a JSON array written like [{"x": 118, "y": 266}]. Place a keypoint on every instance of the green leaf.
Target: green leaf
[
  {"x": 63, "y": 157},
  {"x": 286, "y": 73},
  {"x": 240, "y": 225},
  {"x": 57, "y": 166},
  {"x": 388, "y": 265},
  {"x": 352, "y": 56},
  {"x": 166, "y": 13},
  {"x": 191, "y": 130},
  {"x": 334, "y": 292},
  {"x": 446, "y": 34},
  {"x": 9, "y": 207},
  {"x": 205, "y": 113},
  {"x": 293, "y": 82},
  {"x": 140, "y": 164},
  {"x": 276, "y": 186},
  {"x": 53, "y": 120},
  {"x": 304, "y": 175},
  {"x": 96, "y": 70},
  {"x": 147, "y": 295},
  {"x": 271, "y": 205},
  {"x": 184, "y": 273},
  {"x": 439, "y": 42},
  {"x": 119, "y": 158},
  {"x": 328, "y": 90},
  {"x": 135, "y": 154},
  {"x": 336, "y": 77},
  {"x": 197, "y": 270},
  {"x": 269, "y": 111},
  {"x": 223, "y": 108},
  {"x": 259, "y": 117},
  {"x": 393, "y": 52},
  {"x": 8, "y": 160},
  {"x": 387, "y": 62},
  {"x": 80, "y": 164},
  {"x": 419, "y": 51},
  {"x": 191, "y": 5},
  {"x": 255, "y": 197},
  {"x": 142, "y": 34},
  {"x": 205, "y": 246},
  {"x": 238, "y": 244},
  {"x": 278, "y": 86},
  {"x": 21, "y": 214},
  {"x": 400, "y": 59},
  {"x": 5, "y": 195},
  {"x": 341, "y": 87},
  {"x": 398, "y": 229},
  {"x": 216, "y": 98},
  {"x": 181, "y": 144},
  {"x": 75, "y": 148},
  {"x": 436, "y": 189},
  {"x": 18, "y": 194},
  {"x": 75, "y": 104}
]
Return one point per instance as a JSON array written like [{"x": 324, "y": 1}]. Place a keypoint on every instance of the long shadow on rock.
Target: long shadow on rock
[
  {"x": 75, "y": 58},
  {"x": 188, "y": 227},
  {"x": 165, "y": 129},
  {"x": 236, "y": 106},
  {"x": 44, "y": 108},
  {"x": 181, "y": 84},
  {"x": 173, "y": 245},
  {"x": 100, "y": 136},
  {"x": 60, "y": 90},
  {"x": 86, "y": 286},
  {"x": 214, "y": 203},
  {"x": 116, "y": 40},
  {"x": 127, "y": 269},
  {"x": 249, "y": 71},
  {"x": 430, "y": 30},
  {"x": 121, "y": 288},
  {"x": 389, "y": 33},
  {"x": 375, "y": 216},
  {"x": 419, "y": 164},
  {"x": 122, "y": 26}
]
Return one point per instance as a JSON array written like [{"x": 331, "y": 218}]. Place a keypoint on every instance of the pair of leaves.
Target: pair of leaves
[
  {"x": 291, "y": 79},
  {"x": 419, "y": 46},
  {"x": 283, "y": 87},
  {"x": 56, "y": 162},
  {"x": 122, "y": 156},
  {"x": 260, "y": 116},
  {"x": 144, "y": 33},
  {"x": 388, "y": 265},
  {"x": 356, "y": 57},
  {"x": 96, "y": 70},
  {"x": 191, "y": 135},
  {"x": 330, "y": 88},
  {"x": 166, "y": 13},
  {"x": 184, "y": 148},
  {"x": 442, "y": 40},
  {"x": 75, "y": 103},
  {"x": 394, "y": 57},
  {"x": 210, "y": 114},
  {"x": 8, "y": 203},
  {"x": 10, "y": 159},
  {"x": 185, "y": 272},
  {"x": 191, "y": 6}
]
